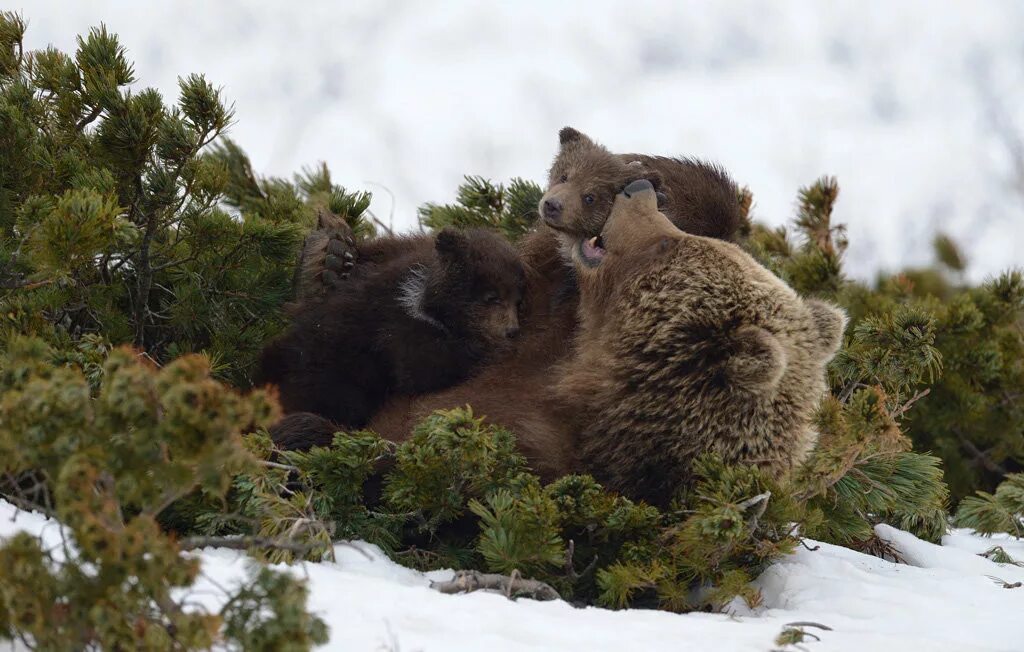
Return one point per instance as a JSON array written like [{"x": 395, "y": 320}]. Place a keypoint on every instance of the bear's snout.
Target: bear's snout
[
  {"x": 637, "y": 187},
  {"x": 552, "y": 210}
]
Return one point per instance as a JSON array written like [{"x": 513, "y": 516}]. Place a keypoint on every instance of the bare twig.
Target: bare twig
[
  {"x": 468, "y": 581},
  {"x": 244, "y": 543},
  {"x": 391, "y": 211},
  {"x": 758, "y": 504},
  {"x": 1004, "y": 583},
  {"x": 387, "y": 229},
  {"x": 847, "y": 392},
  {"x": 808, "y": 623},
  {"x": 278, "y": 465},
  {"x": 980, "y": 456},
  {"x": 900, "y": 411},
  {"x": 22, "y": 284},
  {"x": 88, "y": 118},
  {"x": 570, "y": 571}
]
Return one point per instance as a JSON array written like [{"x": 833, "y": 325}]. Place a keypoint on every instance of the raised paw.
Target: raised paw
[{"x": 327, "y": 257}]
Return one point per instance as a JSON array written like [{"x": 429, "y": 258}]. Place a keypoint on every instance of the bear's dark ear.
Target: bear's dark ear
[
  {"x": 830, "y": 321},
  {"x": 569, "y": 135},
  {"x": 637, "y": 171},
  {"x": 451, "y": 244},
  {"x": 654, "y": 177},
  {"x": 757, "y": 359}
]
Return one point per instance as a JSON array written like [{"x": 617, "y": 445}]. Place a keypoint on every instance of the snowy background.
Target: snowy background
[
  {"x": 943, "y": 599},
  {"x": 917, "y": 107}
]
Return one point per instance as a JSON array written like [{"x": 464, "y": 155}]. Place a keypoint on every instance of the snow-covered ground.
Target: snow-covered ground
[
  {"x": 916, "y": 105},
  {"x": 945, "y": 598}
]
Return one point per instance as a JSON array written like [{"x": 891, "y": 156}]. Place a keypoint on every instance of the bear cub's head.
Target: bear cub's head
[
  {"x": 583, "y": 182},
  {"x": 474, "y": 289}
]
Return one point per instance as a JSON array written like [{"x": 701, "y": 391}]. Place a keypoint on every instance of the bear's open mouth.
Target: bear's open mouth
[{"x": 592, "y": 250}]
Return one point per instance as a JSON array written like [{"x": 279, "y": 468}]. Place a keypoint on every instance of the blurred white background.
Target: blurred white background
[{"x": 917, "y": 107}]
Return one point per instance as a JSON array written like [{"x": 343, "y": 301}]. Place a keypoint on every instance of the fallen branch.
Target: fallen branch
[
  {"x": 808, "y": 623},
  {"x": 1004, "y": 583},
  {"x": 468, "y": 581},
  {"x": 244, "y": 543}
]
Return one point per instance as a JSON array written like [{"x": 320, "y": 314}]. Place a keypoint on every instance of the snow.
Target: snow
[
  {"x": 944, "y": 598},
  {"x": 912, "y": 104}
]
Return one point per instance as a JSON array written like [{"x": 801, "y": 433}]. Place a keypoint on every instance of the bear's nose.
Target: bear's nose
[
  {"x": 512, "y": 332},
  {"x": 552, "y": 210},
  {"x": 637, "y": 187}
]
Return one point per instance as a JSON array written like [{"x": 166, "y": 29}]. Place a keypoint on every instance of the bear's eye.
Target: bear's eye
[
  {"x": 588, "y": 199},
  {"x": 563, "y": 178},
  {"x": 492, "y": 299}
]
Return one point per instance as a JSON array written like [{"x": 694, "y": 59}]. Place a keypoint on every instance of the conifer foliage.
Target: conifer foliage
[
  {"x": 116, "y": 212},
  {"x": 1001, "y": 511},
  {"x": 112, "y": 231},
  {"x": 457, "y": 494},
  {"x": 511, "y": 209},
  {"x": 128, "y": 221},
  {"x": 105, "y": 461}
]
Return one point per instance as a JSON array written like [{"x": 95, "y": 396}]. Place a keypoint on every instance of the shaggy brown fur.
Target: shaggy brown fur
[
  {"x": 685, "y": 345},
  {"x": 697, "y": 196},
  {"x": 702, "y": 199},
  {"x": 584, "y": 179},
  {"x": 688, "y": 345},
  {"x": 418, "y": 315}
]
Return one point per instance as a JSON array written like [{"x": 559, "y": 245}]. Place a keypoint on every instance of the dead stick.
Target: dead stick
[
  {"x": 468, "y": 581},
  {"x": 243, "y": 543}
]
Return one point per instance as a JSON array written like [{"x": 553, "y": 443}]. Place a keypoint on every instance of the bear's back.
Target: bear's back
[{"x": 654, "y": 388}]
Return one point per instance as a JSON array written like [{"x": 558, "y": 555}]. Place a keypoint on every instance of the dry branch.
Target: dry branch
[{"x": 510, "y": 585}]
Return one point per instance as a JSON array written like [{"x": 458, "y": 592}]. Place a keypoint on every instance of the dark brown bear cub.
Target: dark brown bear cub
[{"x": 414, "y": 323}]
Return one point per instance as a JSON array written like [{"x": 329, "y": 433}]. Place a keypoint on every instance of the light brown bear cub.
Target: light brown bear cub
[{"x": 687, "y": 345}]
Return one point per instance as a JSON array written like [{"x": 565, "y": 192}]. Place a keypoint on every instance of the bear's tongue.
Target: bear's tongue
[{"x": 592, "y": 249}]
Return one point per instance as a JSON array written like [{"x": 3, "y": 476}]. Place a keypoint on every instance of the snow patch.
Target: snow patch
[{"x": 943, "y": 599}]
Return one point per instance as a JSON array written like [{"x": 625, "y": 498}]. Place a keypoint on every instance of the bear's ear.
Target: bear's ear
[
  {"x": 637, "y": 171},
  {"x": 653, "y": 176},
  {"x": 757, "y": 359},
  {"x": 569, "y": 135},
  {"x": 830, "y": 321},
  {"x": 451, "y": 245}
]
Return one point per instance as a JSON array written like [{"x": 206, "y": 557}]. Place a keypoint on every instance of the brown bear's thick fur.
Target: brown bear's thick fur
[
  {"x": 697, "y": 197},
  {"x": 685, "y": 345},
  {"x": 584, "y": 179},
  {"x": 419, "y": 314}
]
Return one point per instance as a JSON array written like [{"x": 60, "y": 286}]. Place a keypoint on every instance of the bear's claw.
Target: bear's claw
[{"x": 328, "y": 256}]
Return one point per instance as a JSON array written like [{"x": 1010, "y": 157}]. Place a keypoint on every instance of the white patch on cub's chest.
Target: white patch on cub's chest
[{"x": 411, "y": 292}]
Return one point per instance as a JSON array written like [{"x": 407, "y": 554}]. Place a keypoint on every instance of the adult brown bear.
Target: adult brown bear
[{"x": 685, "y": 345}]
